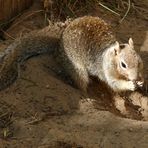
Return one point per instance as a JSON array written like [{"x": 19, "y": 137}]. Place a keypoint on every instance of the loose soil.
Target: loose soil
[{"x": 42, "y": 109}]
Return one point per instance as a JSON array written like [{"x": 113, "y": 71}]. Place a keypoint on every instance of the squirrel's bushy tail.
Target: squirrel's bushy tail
[
  {"x": 43, "y": 41},
  {"x": 37, "y": 42},
  {"x": 35, "y": 46}
]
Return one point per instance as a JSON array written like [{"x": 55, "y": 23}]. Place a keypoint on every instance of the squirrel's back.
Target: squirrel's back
[{"x": 87, "y": 35}]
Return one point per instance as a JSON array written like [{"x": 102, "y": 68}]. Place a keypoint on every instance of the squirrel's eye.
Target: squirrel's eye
[{"x": 123, "y": 65}]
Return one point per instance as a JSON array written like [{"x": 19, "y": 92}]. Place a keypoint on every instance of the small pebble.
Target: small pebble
[{"x": 47, "y": 86}]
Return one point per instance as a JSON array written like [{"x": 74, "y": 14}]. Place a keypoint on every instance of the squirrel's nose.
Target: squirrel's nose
[
  {"x": 134, "y": 75},
  {"x": 138, "y": 79},
  {"x": 134, "y": 79}
]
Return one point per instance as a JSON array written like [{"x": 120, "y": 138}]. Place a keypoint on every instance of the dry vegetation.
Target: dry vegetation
[{"x": 74, "y": 8}]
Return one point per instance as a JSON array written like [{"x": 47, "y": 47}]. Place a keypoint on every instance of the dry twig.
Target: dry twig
[
  {"x": 7, "y": 34},
  {"x": 109, "y": 9},
  {"x": 128, "y": 9},
  {"x": 38, "y": 11}
]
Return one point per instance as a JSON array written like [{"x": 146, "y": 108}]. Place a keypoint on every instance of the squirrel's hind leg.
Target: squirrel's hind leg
[{"x": 80, "y": 76}]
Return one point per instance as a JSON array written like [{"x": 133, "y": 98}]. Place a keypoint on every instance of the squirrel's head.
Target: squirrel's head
[{"x": 128, "y": 62}]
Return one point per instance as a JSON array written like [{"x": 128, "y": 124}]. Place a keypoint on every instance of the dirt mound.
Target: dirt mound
[{"x": 42, "y": 108}]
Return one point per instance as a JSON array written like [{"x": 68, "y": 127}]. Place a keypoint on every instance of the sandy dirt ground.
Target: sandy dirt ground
[{"x": 42, "y": 109}]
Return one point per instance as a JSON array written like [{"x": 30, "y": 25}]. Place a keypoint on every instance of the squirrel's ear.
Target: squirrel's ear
[
  {"x": 131, "y": 43},
  {"x": 116, "y": 48}
]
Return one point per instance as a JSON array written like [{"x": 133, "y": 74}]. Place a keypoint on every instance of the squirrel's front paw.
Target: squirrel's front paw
[
  {"x": 132, "y": 85},
  {"x": 140, "y": 83}
]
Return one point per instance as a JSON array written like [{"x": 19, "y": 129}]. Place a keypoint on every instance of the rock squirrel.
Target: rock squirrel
[{"x": 85, "y": 46}]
